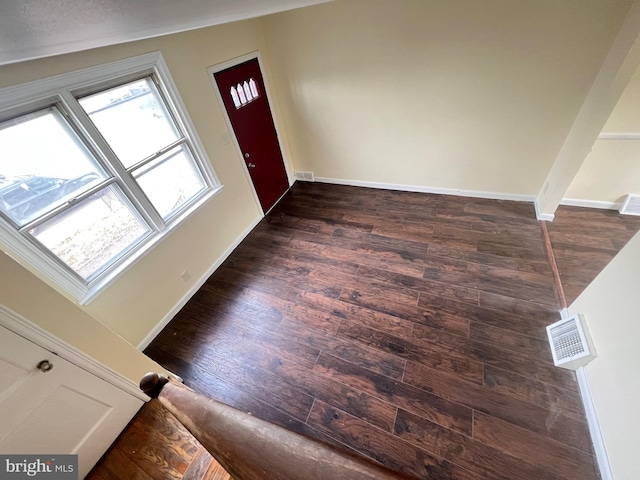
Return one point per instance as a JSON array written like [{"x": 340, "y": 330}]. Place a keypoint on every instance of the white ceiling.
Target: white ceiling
[{"x": 39, "y": 28}]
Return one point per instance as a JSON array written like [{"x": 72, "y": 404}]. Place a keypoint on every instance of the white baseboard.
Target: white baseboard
[
  {"x": 576, "y": 202},
  {"x": 547, "y": 217},
  {"x": 594, "y": 427},
  {"x": 192, "y": 291},
  {"x": 619, "y": 136},
  {"x": 418, "y": 188}
]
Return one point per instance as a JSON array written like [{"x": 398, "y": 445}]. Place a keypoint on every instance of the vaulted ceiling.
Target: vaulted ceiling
[{"x": 34, "y": 28}]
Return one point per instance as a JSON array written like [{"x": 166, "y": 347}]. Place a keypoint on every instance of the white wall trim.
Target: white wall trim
[
  {"x": 423, "y": 189},
  {"x": 615, "y": 73},
  {"x": 192, "y": 291},
  {"x": 619, "y": 136},
  {"x": 36, "y": 334},
  {"x": 576, "y": 202},
  {"x": 232, "y": 63},
  {"x": 594, "y": 427},
  {"x": 592, "y": 419},
  {"x": 547, "y": 217}
]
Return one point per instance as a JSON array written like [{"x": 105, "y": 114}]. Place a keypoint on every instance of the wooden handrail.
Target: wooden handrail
[{"x": 252, "y": 449}]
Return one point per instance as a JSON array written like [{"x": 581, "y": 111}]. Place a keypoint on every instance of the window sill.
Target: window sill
[{"x": 103, "y": 284}]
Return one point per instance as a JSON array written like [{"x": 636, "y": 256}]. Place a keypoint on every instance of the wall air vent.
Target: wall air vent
[
  {"x": 571, "y": 344},
  {"x": 631, "y": 205},
  {"x": 304, "y": 176}
]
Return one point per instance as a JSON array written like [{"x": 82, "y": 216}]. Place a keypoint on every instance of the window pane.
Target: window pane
[
  {"x": 43, "y": 164},
  {"x": 133, "y": 119},
  {"x": 92, "y": 234},
  {"x": 170, "y": 181}
]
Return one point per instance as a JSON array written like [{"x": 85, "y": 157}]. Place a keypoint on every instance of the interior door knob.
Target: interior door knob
[
  {"x": 246, "y": 155},
  {"x": 45, "y": 366},
  {"x": 251, "y": 165}
]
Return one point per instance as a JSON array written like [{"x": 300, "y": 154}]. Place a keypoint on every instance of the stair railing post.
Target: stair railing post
[{"x": 249, "y": 448}]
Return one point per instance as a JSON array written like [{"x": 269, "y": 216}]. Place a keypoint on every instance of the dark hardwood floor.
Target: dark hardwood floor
[
  {"x": 155, "y": 446},
  {"x": 407, "y": 327},
  {"x": 584, "y": 241}
]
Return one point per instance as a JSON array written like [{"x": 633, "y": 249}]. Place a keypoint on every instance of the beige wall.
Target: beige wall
[
  {"x": 612, "y": 169},
  {"x": 625, "y": 118},
  {"x": 141, "y": 298},
  {"x": 32, "y": 299},
  {"x": 453, "y": 94},
  {"x": 615, "y": 73},
  {"x": 611, "y": 305}
]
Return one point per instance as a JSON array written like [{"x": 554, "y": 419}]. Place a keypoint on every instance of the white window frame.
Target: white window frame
[{"x": 38, "y": 259}]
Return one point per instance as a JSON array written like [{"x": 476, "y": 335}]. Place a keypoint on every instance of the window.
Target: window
[
  {"x": 244, "y": 93},
  {"x": 95, "y": 168}
]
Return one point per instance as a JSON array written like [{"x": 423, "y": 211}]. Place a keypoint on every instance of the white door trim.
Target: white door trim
[
  {"x": 32, "y": 332},
  {"x": 232, "y": 63}
]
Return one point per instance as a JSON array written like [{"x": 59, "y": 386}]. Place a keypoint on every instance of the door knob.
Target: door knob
[
  {"x": 251, "y": 165},
  {"x": 45, "y": 366},
  {"x": 246, "y": 155}
]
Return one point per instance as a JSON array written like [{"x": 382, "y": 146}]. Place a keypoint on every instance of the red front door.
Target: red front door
[{"x": 243, "y": 93}]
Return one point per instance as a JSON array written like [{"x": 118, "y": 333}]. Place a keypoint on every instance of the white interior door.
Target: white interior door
[{"x": 62, "y": 410}]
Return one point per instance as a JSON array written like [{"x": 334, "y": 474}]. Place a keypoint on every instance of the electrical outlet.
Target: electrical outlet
[
  {"x": 226, "y": 138},
  {"x": 185, "y": 276}
]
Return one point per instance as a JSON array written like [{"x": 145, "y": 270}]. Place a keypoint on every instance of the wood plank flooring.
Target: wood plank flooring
[
  {"x": 155, "y": 446},
  {"x": 406, "y": 327},
  {"x": 584, "y": 241}
]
